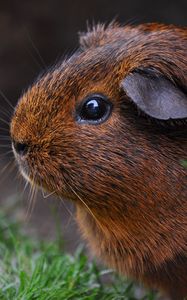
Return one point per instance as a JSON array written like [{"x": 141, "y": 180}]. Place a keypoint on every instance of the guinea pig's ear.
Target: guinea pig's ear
[{"x": 155, "y": 95}]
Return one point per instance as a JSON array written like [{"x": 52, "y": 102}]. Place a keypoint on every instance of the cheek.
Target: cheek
[
  {"x": 93, "y": 170},
  {"x": 104, "y": 165}
]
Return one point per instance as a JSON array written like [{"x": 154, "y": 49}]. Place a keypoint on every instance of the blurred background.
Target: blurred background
[{"x": 34, "y": 34}]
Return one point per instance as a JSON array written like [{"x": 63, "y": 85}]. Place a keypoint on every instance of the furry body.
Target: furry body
[{"x": 125, "y": 175}]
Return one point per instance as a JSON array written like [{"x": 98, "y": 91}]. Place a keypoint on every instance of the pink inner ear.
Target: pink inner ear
[{"x": 156, "y": 96}]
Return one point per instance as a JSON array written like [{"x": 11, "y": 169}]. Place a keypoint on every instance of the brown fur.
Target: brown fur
[{"x": 125, "y": 174}]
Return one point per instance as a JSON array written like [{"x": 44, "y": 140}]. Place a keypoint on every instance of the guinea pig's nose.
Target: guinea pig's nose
[{"x": 20, "y": 148}]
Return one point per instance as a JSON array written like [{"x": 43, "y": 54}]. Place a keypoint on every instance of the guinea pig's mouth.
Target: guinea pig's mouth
[
  {"x": 23, "y": 164},
  {"x": 35, "y": 170},
  {"x": 33, "y": 178},
  {"x": 21, "y": 153},
  {"x": 33, "y": 175},
  {"x": 26, "y": 175},
  {"x": 25, "y": 172}
]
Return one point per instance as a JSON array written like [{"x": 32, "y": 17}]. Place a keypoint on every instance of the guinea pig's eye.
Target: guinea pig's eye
[{"x": 95, "y": 109}]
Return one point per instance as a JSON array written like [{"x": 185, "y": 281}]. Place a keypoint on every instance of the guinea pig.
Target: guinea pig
[{"x": 107, "y": 129}]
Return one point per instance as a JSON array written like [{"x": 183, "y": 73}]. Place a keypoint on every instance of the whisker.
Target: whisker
[
  {"x": 61, "y": 201},
  {"x": 35, "y": 49},
  {"x": 4, "y": 121},
  {"x": 28, "y": 207},
  {"x": 7, "y": 100},
  {"x": 31, "y": 188},
  {"x": 31, "y": 202},
  {"x": 6, "y": 113},
  {"x": 7, "y": 135},
  {"x": 18, "y": 174},
  {"x": 5, "y": 142},
  {"x": 9, "y": 167},
  {"x": 4, "y": 168},
  {"x": 4, "y": 137},
  {"x": 71, "y": 215},
  {"x": 47, "y": 195},
  {"x": 83, "y": 202},
  {"x": 68, "y": 210},
  {"x": 38, "y": 64},
  {"x": 5, "y": 146},
  {"x": 6, "y": 153},
  {"x": 34, "y": 197},
  {"x": 5, "y": 129},
  {"x": 25, "y": 185}
]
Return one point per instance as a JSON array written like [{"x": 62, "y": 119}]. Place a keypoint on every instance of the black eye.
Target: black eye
[{"x": 94, "y": 110}]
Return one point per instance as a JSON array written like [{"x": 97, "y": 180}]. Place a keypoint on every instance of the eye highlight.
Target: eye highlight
[{"x": 95, "y": 109}]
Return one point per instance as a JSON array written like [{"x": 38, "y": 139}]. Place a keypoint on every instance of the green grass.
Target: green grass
[{"x": 32, "y": 269}]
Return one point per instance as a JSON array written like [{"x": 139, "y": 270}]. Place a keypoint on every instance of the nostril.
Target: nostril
[{"x": 20, "y": 148}]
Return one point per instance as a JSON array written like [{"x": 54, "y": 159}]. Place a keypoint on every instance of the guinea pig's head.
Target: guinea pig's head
[{"x": 100, "y": 126}]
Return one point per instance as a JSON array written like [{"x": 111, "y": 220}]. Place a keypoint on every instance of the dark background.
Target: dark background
[
  {"x": 51, "y": 27},
  {"x": 34, "y": 34}
]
